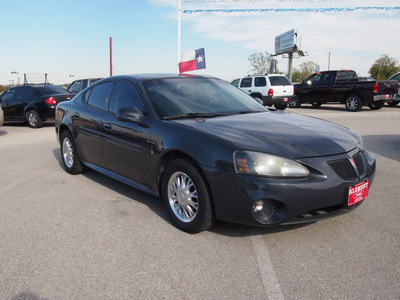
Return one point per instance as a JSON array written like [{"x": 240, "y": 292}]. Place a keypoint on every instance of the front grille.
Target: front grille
[{"x": 345, "y": 170}]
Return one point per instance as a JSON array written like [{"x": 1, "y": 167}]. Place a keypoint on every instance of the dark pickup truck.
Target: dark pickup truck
[{"x": 345, "y": 87}]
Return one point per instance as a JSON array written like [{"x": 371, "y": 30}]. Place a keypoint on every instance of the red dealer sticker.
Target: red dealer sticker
[{"x": 358, "y": 193}]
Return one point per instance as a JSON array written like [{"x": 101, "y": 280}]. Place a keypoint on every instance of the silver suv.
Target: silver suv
[{"x": 272, "y": 89}]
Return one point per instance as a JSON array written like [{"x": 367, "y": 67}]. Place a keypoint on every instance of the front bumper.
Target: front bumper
[{"x": 322, "y": 195}]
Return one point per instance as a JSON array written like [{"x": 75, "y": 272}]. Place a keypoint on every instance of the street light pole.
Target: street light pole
[{"x": 179, "y": 29}]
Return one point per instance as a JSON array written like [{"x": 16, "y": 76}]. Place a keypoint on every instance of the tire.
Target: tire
[
  {"x": 316, "y": 104},
  {"x": 33, "y": 119},
  {"x": 69, "y": 155},
  {"x": 376, "y": 105},
  {"x": 353, "y": 103},
  {"x": 393, "y": 103},
  {"x": 294, "y": 102},
  {"x": 187, "y": 198},
  {"x": 281, "y": 106}
]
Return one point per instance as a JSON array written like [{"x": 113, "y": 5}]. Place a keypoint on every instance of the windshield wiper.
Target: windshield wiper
[{"x": 192, "y": 115}]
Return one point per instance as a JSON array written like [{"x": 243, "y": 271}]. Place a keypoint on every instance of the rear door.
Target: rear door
[{"x": 89, "y": 123}]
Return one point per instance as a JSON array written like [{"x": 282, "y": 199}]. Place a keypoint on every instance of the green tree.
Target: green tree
[
  {"x": 260, "y": 63},
  {"x": 384, "y": 67},
  {"x": 2, "y": 88},
  {"x": 304, "y": 71}
]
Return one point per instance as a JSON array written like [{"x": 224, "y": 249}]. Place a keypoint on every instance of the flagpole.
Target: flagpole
[{"x": 179, "y": 29}]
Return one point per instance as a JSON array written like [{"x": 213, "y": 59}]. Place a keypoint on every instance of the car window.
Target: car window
[
  {"x": 27, "y": 92},
  {"x": 52, "y": 89},
  {"x": 396, "y": 77},
  {"x": 75, "y": 87},
  {"x": 100, "y": 94},
  {"x": 279, "y": 80},
  {"x": 8, "y": 95},
  {"x": 260, "y": 81},
  {"x": 314, "y": 78},
  {"x": 235, "y": 82},
  {"x": 125, "y": 95},
  {"x": 246, "y": 82}
]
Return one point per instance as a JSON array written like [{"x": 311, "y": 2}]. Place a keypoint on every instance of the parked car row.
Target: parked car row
[{"x": 35, "y": 104}]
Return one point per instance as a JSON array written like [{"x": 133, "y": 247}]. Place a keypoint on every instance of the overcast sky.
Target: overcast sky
[{"x": 70, "y": 39}]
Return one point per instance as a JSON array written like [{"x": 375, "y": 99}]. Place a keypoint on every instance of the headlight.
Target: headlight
[{"x": 261, "y": 164}]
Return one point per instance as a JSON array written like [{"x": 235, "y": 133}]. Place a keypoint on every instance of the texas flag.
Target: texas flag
[{"x": 192, "y": 60}]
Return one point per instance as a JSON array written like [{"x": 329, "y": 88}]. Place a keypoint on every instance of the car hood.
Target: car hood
[{"x": 285, "y": 134}]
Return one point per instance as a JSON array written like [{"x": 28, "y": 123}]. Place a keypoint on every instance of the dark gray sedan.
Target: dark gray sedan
[{"x": 212, "y": 152}]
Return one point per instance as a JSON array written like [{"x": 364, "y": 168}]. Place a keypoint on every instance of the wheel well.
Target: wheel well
[
  {"x": 169, "y": 157},
  {"x": 256, "y": 95},
  {"x": 61, "y": 130}
]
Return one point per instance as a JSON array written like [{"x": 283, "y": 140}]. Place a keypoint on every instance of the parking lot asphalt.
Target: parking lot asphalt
[{"x": 90, "y": 237}]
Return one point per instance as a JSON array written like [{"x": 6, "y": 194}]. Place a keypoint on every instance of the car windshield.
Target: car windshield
[{"x": 198, "y": 96}]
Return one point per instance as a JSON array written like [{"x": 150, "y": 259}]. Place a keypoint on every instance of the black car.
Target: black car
[
  {"x": 212, "y": 152},
  {"x": 32, "y": 103}
]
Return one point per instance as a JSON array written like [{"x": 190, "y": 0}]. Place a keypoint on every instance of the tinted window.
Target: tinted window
[
  {"x": 260, "y": 81},
  {"x": 235, "y": 82},
  {"x": 396, "y": 77},
  {"x": 52, "y": 89},
  {"x": 125, "y": 95},
  {"x": 346, "y": 76},
  {"x": 8, "y": 95},
  {"x": 279, "y": 80},
  {"x": 246, "y": 82},
  {"x": 177, "y": 96},
  {"x": 100, "y": 94},
  {"x": 75, "y": 87},
  {"x": 26, "y": 92}
]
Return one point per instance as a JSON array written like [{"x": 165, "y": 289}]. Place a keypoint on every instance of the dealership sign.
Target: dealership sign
[{"x": 289, "y": 41}]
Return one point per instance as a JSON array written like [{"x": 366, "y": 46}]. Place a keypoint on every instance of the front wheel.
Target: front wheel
[
  {"x": 294, "y": 102},
  {"x": 33, "y": 119},
  {"x": 353, "y": 103},
  {"x": 187, "y": 198},
  {"x": 280, "y": 106},
  {"x": 69, "y": 155},
  {"x": 376, "y": 105}
]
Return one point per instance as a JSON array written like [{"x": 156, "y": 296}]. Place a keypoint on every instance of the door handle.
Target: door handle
[
  {"x": 107, "y": 125},
  {"x": 76, "y": 115}
]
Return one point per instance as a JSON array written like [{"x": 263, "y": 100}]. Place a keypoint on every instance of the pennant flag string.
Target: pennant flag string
[{"x": 267, "y": 10}]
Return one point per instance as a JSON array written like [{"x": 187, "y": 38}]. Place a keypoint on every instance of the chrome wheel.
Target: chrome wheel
[
  {"x": 182, "y": 196},
  {"x": 353, "y": 103},
  {"x": 68, "y": 152},
  {"x": 32, "y": 119}
]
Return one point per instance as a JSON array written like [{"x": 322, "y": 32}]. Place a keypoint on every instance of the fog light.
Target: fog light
[{"x": 263, "y": 211}]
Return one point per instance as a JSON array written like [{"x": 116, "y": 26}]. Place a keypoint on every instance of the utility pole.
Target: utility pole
[
  {"x": 179, "y": 29},
  {"x": 329, "y": 60}
]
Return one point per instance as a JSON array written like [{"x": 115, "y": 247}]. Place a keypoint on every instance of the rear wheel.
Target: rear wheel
[
  {"x": 376, "y": 105},
  {"x": 280, "y": 106},
  {"x": 316, "y": 104},
  {"x": 353, "y": 103},
  {"x": 187, "y": 197},
  {"x": 69, "y": 155},
  {"x": 33, "y": 119},
  {"x": 393, "y": 103},
  {"x": 294, "y": 102}
]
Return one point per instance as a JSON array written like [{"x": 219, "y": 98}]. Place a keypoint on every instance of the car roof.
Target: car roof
[{"x": 142, "y": 77}]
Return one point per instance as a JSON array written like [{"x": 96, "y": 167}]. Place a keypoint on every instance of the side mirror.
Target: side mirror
[
  {"x": 309, "y": 82},
  {"x": 132, "y": 114}
]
